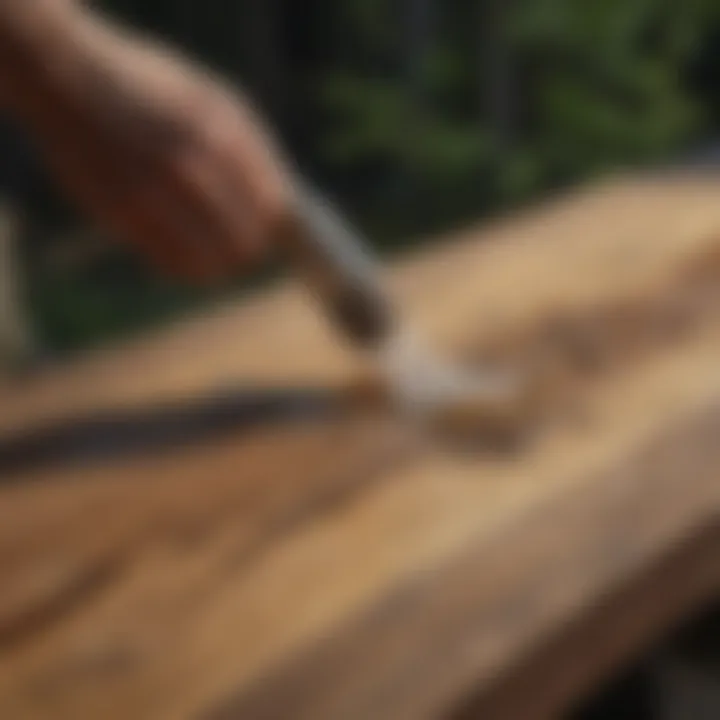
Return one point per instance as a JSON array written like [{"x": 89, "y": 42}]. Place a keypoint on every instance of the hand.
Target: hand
[{"x": 157, "y": 151}]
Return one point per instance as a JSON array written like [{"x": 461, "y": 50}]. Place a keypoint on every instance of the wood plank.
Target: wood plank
[
  {"x": 602, "y": 640},
  {"x": 349, "y": 567}
]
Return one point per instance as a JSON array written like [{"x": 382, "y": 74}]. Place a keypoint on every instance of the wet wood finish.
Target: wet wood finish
[{"x": 349, "y": 568}]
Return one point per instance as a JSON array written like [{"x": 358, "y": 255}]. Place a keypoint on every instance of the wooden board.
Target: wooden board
[{"x": 353, "y": 569}]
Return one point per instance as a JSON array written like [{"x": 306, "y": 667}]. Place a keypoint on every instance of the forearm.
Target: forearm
[
  {"x": 61, "y": 63},
  {"x": 37, "y": 49}
]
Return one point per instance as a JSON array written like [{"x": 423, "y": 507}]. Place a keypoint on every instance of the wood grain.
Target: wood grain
[{"x": 351, "y": 568}]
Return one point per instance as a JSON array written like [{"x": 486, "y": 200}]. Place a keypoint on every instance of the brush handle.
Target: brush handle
[{"x": 338, "y": 267}]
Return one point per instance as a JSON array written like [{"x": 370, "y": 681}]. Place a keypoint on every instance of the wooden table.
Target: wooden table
[{"x": 347, "y": 567}]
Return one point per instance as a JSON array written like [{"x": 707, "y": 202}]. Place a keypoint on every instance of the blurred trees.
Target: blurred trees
[
  {"x": 516, "y": 96},
  {"x": 417, "y": 114},
  {"x": 420, "y": 112}
]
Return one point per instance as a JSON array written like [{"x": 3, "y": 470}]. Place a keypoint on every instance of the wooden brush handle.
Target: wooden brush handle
[{"x": 339, "y": 269}]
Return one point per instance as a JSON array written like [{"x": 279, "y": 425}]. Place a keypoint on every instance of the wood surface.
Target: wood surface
[{"x": 353, "y": 568}]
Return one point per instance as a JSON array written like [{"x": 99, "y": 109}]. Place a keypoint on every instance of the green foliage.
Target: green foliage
[
  {"x": 599, "y": 82},
  {"x": 608, "y": 79},
  {"x": 490, "y": 104},
  {"x": 376, "y": 120}
]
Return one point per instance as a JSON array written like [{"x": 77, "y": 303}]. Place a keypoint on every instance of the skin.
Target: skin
[{"x": 152, "y": 147}]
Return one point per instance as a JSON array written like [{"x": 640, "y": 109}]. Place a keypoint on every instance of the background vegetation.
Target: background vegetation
[{"x": 414, "y": 114}]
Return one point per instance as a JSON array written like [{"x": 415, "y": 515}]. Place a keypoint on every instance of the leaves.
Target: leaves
[{"x": 403, "y": 118}]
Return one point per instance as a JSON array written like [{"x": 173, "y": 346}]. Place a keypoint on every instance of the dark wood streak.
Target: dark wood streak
[{"x": 103, "y": 437}]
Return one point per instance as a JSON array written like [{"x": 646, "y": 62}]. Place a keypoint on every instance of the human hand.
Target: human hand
[{"x": 160, "y": 153}]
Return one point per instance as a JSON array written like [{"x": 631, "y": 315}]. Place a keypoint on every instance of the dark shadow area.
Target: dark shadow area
[
  {"x": 106, "y": 436},
  {"x": 678, "y": 680}
]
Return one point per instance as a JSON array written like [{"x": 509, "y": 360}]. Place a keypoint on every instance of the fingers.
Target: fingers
[
  {"x": 195, "y": 216},
  {"x": 128, "y": 200},
  {"x": 233, "y": 186},
  {"x": 216, "y": 214},
  {"x": 203, "y": 209},
  {"x": 216, "y": 198}
]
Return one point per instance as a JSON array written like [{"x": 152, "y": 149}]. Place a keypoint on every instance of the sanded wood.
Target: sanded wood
[{"x": 351, "y": 568}]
